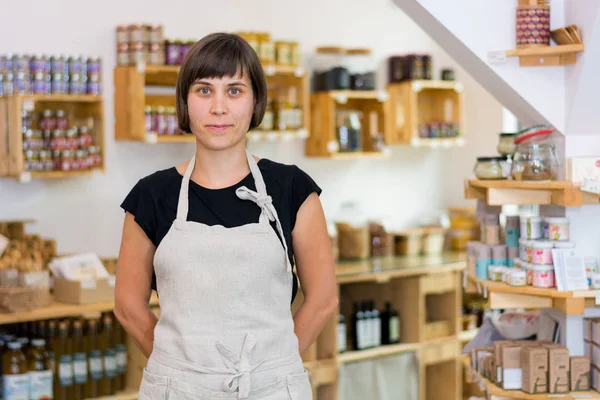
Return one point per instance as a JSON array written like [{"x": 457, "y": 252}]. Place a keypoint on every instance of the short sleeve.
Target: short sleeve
[
  {"x": 139, "y": 203},
  {"x": 302, "y": 186}
]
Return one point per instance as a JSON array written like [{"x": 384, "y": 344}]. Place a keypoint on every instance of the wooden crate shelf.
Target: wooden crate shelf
[
  {"x": 351, "y": 356},
  {"x": 324, "y": 106},
  {"x": 501, "y": 296},
  {"x": 413, "y": 103},
  {"x": 547, "y": 56},
  {"x": 125, "y": 395},
  {"x": 502, "y": 192},
  {"x": 494, "y": 392},
  {"x": 131, "y": 97},
  {"x": 81, "y": 109}
]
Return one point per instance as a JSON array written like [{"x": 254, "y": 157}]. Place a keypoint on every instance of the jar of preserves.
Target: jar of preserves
[
  {"x": 172, "y": 52},
  {"x": 61, "y": 120},
  {"x": 56, "y": 162},
  {"x": 72, "y": 139},
  {"x": 59, "y": 140},
  {"x": 94, "y": 157},
  {"x": 138, "y": 33},
  {"x": 267, "y": 49},
  {"x": 282, "y": 53},
  {"x": 28, "y": 140},
  {"x": 47, "y": 122},
  {"x": 156, "y": 54},
  {"x": 123, "y": 54},
  {"x": 37, "y": 141},
  {"x": 81, "y": 160},
  {"x": 156, "y": 34},
  {"x": 47, "y": 139},
  {"x": 46, "y": 161},
  {"x": 86, "y": 140},
  {"x": 66, "y": 160},
  {"x": 490, "y": 168},
  {"x": 170, "y": 121},
  {"x": 138, "y": 53},
  {"x": 148, "y": 119}
]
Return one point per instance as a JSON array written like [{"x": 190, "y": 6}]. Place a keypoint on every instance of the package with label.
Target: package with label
[
  {"x": 588, "y": 348},
  {"x": 534, "y": 363},
  {"x": 558, "y": 366},
  {"x": 580, "y": 374},
  {"x": 595, "y": 355},
  {"x": 498, "y": 358},
  {"x": 511, "y": 367},
  {"x": 477, "y": 355},
  {"x": 587, "y": 328},
  {"x": 595, "y": 332}
]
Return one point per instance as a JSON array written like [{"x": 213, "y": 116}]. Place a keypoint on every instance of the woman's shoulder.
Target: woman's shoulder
[
  {"x": 288, "y": 176},
  {"x": 160, "y": 180}
]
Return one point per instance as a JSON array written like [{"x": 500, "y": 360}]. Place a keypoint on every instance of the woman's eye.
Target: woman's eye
[
  {"x": 234, "y": 91},
  {"x": 204, "y": 91}
]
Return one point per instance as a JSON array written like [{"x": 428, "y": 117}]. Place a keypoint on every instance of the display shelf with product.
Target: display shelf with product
[
  {"x": 547, "y": 56},
  {"x": 426, "y": 113},
  {"x": 145, "y": 104},
  {"x": 51, "y": 136}
]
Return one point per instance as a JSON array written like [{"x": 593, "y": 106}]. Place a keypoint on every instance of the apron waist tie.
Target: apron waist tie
[{"x": 239, "y": 375}]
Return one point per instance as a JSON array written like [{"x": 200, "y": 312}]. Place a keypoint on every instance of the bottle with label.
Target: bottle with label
[
  {"x": 360, "y": 325},
  {"x": 95, "y": 365},
  {"x": 40, "y": 374},
  {"x": 368, "y": 326},
  {"x": 121, "y": 347},
  {"x": 50, "y": 337},
  {"x": 390, "y": 325},
  {"x": 15, "y": 375},
  {"x": 376, "y": 325},
  {"x": 341, "y": 334},
  {"x": 80, "y": 367},
  {"x": 63, "y": 359},
  {"x": 267, "y": 121},
  {"x": 109, "y": 356}
]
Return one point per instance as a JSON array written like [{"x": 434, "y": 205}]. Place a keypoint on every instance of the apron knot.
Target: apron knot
[
  {"x": 240, "y": 374},
  {"x": 265, "y": 202}
]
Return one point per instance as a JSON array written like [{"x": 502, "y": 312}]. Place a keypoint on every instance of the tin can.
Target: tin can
[
  {"x": 36, "y": 65},
  {"x": 172, "y": 52},
  {"x": 48, "y": 121},
  {"x": 21, "y": 83},
  {"x": 94, "y": 65},
  {"x": 8, "y": 62},
  {"x": 123, "y": 54},
  {"x": 1, "y": 84},
  {"x": 3, "y": 69},
  {"x": 122, "y": 34},
  {"x": 94, "y": 88}
]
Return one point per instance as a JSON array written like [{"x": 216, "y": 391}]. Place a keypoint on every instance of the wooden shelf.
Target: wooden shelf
[
  {"x": 416, "y": 103},
  {"x": 467, "y": 336},
  {"x": 61, "y": 310},
  {"x": 501, "y": 296},
  {"x": 381, "y": 351},
  {"x": 359, "y": 155},
  {"x": 502, "y": 192},
  {"x": 494, "y": 392},
  {"x": 125, "y": 395},
  {"x": 274, "y": 136},
  {"x": 80, "y": 110},
  {"x": 342, "y": 96},
  {"x": 547, "y": 56},
  {"x": 131, "y": 96}
]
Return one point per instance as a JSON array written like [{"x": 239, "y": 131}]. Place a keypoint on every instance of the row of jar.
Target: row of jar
[
  {"x": 439, "y": 130},
  {"x": 36, "y": 64},
  {"x": 540, "y": 276},
  {"x": 532, "y": 228},
  {"x": 66, "y": 160},
  {"x": 280, "y": 52},
  {"x": 48, "y": 84},
  {"x": 75, "y": 138}
]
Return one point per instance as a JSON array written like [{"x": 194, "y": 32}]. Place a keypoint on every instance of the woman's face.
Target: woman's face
[{"x": 220, "y": 110}]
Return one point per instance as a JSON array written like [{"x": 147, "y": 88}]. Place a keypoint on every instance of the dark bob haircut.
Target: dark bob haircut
[{"x": 215, "y": 56}]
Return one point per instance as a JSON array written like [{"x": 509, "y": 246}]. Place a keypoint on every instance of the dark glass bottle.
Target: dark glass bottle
[
  {"x": 63, "y": 359},
  {"x": 80, "y": 367},
  {"x": 94, "y": 353}
]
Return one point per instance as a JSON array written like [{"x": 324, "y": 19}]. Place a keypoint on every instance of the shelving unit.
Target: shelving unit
[
  {"x": 86, "y": 109},
  {"x": 503, "y": 192},
  {"x": 132, "y": 95},
  {"x": 501, "y": 296},
  {"x": 373, "y": 105},
  {"x": 413, "y": 103},
  {"x": 547, "y": 56}
]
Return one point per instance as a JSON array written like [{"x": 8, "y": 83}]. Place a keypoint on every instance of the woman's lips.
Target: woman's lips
[{"x": 218, "y": 128}]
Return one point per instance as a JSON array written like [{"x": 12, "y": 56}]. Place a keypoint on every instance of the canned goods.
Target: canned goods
[
  {"x": 48, "y": 122},
  {"x": 8, "y": 84},
  {"x": 1, "y": 85},
  {"x": 66, "y": 160},
  {"x": 122, "y": 34},
  {"x": 94, "y": 88},
  {"x": 8, "y": 62},
  {"x": 28, "y": 140},
  {"x": 86, "y": 140},
  {"x": 76, "y": 86},
  {"x": 138, "y": 33},
  {"x": 94, "y": 65},
  {"x": 158, "y": 120},
  {"x": 26, "y": 120}
]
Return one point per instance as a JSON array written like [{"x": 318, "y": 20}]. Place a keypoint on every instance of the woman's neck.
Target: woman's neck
[{"x": 222, "y": 168}]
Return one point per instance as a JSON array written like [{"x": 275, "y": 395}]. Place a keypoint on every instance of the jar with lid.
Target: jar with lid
[
  {"x": 267, "y": 48},
  {"x": 29, "y": 160},
  {"x": 490, "y": 168},
  {"x": 172, "y": 52},
  {"x": 85, "y": 137},
  {"x": 123, "y": 54},
  {"x": 138, "y": 53},
  {"x": 283, "y": 54},
  {"x": 158, "y": 120},
  {"x": 353, "y": 232},
  {"x": 543, "y": 276},
  {"x": 66, "y": 160},
  {"x": 170, "y": 121},
  {"x": 138, "y": 33},
  {"x": 148, "y": 119},
  {"x": 556, "y": 228},
  {"x": 61, "y": 120},
  {"x": 48, "y": 121},
  {"x": 156, "y": 56},
  {"x": 155, "y": 34},
  {"x": 47, "y": 163},
  {"x": 59, "y": 140},
  {"x": 26, "y": 120},
  {"x": 122, "y": 34},
  {"x": 349, "y": 132},
  {"x": 361, "y": 67},
  {"x": 506, "y": 144},
  {"x": 72, "y": 139},
  {"x": 330, "y": 69},
  {"x": 295, "y": 56},
  {"x": 95, "y": 159},
  {"x": 81, "y": 160},
  {"x": 535, "y": 162},
  {"x": 518, "y": 278}
]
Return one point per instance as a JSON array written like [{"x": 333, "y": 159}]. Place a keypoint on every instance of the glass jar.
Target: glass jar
[
  {"x": 330, "y": 69},
  {"x": 353, "y": 232},
  {"x": 506, "y": 144},
  {"x": 267, "y": 48},
  {"x": 85, "y": 137},
  {"x": 66, "y": 160},
  {"x": 94, "y": 157},
  {"x": 156, "y": 55},
  {"x": 490, "y": 168},
  {"x": 123, "y": 54},
  {"x": 361, "y": 66},
  {"x": 138, "y": 53},
  {"x": 122, "y": 34},
  {"x": 349, "y": 132},
  {"x": 155, "y": 34},
  {"x": 535, "y": 162}
]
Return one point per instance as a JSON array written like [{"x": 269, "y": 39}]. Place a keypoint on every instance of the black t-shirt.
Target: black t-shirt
[{"x": 153, "y": 202}]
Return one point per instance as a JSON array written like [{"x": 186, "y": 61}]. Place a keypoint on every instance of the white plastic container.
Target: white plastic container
[
  {"x": 556, "y": 228},
  {"x": 531, "y": 228}
]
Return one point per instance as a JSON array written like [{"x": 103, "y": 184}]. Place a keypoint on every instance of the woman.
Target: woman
[{"x": 217, "y": 237}]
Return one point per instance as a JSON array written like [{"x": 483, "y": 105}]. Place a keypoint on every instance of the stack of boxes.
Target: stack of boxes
[
  {"x": 591, "y": 348},
  {"x": 532, "y": 366}
]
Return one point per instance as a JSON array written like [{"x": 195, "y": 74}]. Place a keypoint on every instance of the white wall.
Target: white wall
[{"x": 84, "y": 214}]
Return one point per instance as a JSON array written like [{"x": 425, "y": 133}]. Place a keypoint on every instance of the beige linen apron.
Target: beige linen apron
[{"x": 226, "y": 330}]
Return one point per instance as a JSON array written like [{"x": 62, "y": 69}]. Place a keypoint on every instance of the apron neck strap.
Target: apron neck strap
[{"x": 183, "y": 202}]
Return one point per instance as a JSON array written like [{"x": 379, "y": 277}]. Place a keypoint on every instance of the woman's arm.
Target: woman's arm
[
  {"x": 133, "y": 285},
  {"x": 316, "y": 270}
]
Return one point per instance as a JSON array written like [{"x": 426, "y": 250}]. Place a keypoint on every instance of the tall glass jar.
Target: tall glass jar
[
  {"x": 535, "y": 162},
  {"x": 330, "y": 69},
  {"x": 353, "y": 232},
  {"x": 362, "y": 68}
]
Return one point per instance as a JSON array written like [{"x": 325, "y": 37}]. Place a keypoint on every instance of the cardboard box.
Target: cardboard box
[
  {"x": 580, "y": 374},
  {"x": 511, "y": 367},
  {"x": 479, "y": 354},
  {"x": 498, "y": 358},
  {"x": 83, "y": 292},
  {"x": 534, "y": 363},
  {"x": 587, "y": 348},
  {"x": 595, "y": 378},
  {"x": 587, "y": 329},
  {"x": 595, "y": 355},
  {"x": 558, "y": 366},
  {"x": 595, "y": 337},
  {"x": 551, "y": 346}
]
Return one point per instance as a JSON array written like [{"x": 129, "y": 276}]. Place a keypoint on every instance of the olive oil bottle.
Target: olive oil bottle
[
  {"x": 40, "y": 374},
  {"x": 121, "y": 347},
  {"x": 107, "y": 345},
  {"x": 50, "y": 343},
  {"x": 80, "y": 364},
  {"x": 94, "y": 353},
  {"x": 63, "y": 358},
  {"x": 15, "y": 378}
]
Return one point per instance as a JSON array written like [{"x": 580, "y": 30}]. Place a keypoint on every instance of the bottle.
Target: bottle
[
  {"x": 109, "y": 356},
  {"x": 50, "y": 344},
  {"x": 80, "y": 367},
  {"x": 121, "y": 347},
  {"x": 63, "y": 359},
  {"x": 341, "y": 334},
  {"x": 24, "y": 343},
  {"x": 267, "y": 121},
  {"x": 394, "y": 327},
  {"x": 15, "y": 378},
  {"x": 376, "y": 331},
  {"x": 369, "y": 329},
  {"x": 94, "y": 352},
  {"x": 358, "y": 329},
  {"x": 40, "y": 374}
]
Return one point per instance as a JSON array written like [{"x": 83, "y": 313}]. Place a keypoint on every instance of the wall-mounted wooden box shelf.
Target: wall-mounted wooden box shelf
[
  {"x": 80, "y": 110},
  {"x": 323, "y": 139},
  {"x": 417, "y": 105},
  {"x": 154, "y": 85},
  {"x": 502, "y": 192},
  {"x": 547, "y": 56}
]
